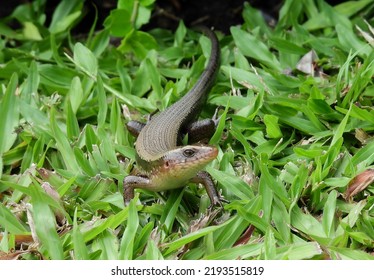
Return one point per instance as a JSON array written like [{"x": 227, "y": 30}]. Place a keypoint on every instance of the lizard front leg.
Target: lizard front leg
[
  {"x": 130, "y": 183},
  {"x": 206, "y": 180}
]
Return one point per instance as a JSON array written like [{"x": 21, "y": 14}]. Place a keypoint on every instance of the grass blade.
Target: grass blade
[
  {"x": 329, "y": 214},
  {"x": 80, "y": 249},
  {"x": 9, "y": 114},
  {"x": 9, "y": 222},
  {"x": 45, "y": 224},
  {"x": 63, "y": 144},
  {"x": 127, "y": 242}
]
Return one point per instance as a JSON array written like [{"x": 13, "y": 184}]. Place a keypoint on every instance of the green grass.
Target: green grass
[{"x": 290, "y": 145}]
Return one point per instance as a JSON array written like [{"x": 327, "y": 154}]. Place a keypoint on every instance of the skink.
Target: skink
[{"x": 165, "y": 163}]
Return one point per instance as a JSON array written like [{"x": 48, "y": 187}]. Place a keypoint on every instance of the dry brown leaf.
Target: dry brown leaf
[
  {"x": 21, "y": 238},
  {"x": 15, "y": 255},
  {"x": 359, "y": 183},
  {"x": 11, "y": 255},
  {"x": 246, "y": 236},
  {"x": 361, "y": 135},
  {"x": 307, "y": 63},
  {"x": 203, "y": 221},
  {"x": 368, "y": 37},
  {"x": 30, "y": 221},
  {"x": 54, "y": 194},
  {"x": 51, "y": 192}
]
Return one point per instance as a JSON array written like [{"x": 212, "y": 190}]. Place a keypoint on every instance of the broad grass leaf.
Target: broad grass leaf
[
  {"x": 152, "y": 252},
  {"x": 254, "y": 19},
  {"x": 227, "y": 236},
  {"x": 111, "y": 222},
  {"x": 299, "y": 251},
  {"x": 350, "y": 8},
  {"x": 364, "y": 156},
  {"x": 286, "y": 46},
  {"x": 9, "y": 114},
  {"x": 270, "y": 245},
  {"x": 84, "y": 163},
  {"x": 128, "y": 237},
  {"x": 307, "y": 224},
  {"x": 281, "y": 219},
  {"x": 231, "y": 184},
  {"x": 56, "y": 77},
  {"x": 75, "y": 94},
  {"x": 272, "y": 127},
  {"x": 72, "y": 126},
  {"x": 250, "y": 46},
  {"x": 329, "y": 211},
  {"x": 85, "y": 59},
  {"x": 138, "y": 42},
  {"x": 272, "y": 182},
  {"x": 171, "y": 210},
  {"x": 80, "y": 248},
  {"x": 107, "y": 243},
  {"x": 240, "y": 137},
  {"x": 63, "y": 144},
  {"x": 220, "y": 127},
  {"x": 9, "y": 222},
  {"x": 247, "y": 251},
  {"x": 362, "y": 114},
  {"x": 180, "y": 242},
  {"x": 31, "y": 84},
  {"x": 143, "y": 237},
  {"x": 66, "y": 13},
  {"x": 349, "y": 41},
  {"x": 349, "y": 254},
  {"x": 119, "y": 22},
  {"x": 45, "y": 225},
  {"x": 102, "y": 102}
]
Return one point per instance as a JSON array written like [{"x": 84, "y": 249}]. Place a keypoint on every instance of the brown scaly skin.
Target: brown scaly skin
[{"x": 166, "y": 165}]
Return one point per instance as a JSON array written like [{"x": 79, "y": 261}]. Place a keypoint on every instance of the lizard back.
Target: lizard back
[{"x": 160, "y": 134}]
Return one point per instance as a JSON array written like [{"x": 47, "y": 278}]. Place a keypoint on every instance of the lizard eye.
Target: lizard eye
[{"x": 188, "y": 153}]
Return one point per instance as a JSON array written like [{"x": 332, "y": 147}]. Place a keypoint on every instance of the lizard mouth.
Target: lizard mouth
[{"x": 210, "y": 153}]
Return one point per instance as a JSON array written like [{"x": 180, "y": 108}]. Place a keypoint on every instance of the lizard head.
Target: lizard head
[{"x": 184, "y": 162}]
